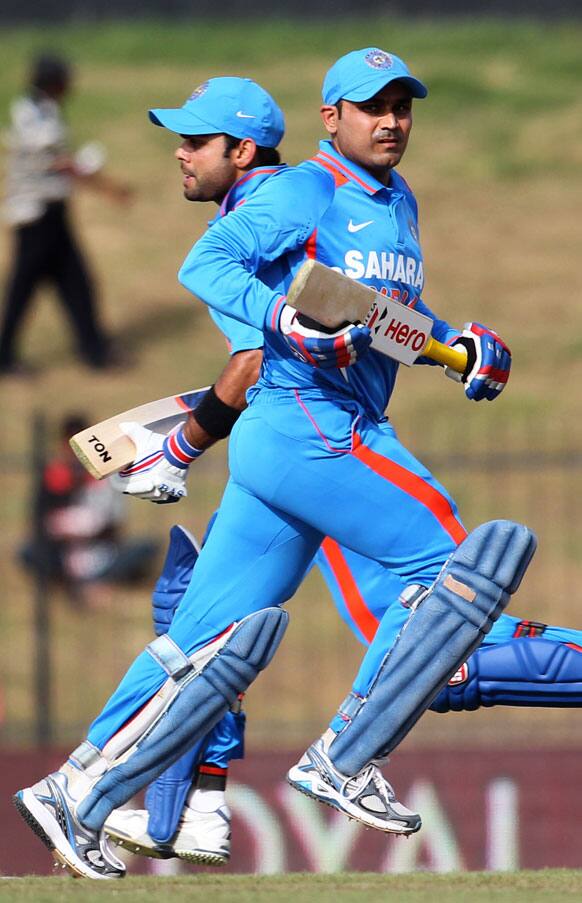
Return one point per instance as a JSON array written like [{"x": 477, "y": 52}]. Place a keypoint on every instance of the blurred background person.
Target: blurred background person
[
  {"x": 81, "y": 542},
  {"x": 41, "y": 173}
]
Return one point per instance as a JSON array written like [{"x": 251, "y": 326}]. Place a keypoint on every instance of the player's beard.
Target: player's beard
[
  {"x": 393, "y": 153},
  {"x": 192, "y": 194},
  {"x": 205, "y": 189},
  {"x": 192, "y": 189}
]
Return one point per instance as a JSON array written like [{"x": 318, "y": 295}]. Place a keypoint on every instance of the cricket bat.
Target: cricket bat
[
  {"x": 104, "y": 449},
  {"x": 398, "y": 331}
]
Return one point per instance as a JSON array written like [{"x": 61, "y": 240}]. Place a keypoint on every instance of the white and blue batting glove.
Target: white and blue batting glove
[
  {"x": 313, "y": 345},
  {"x": 158, "y": 472},
  {"x": 488, "y": 362}
]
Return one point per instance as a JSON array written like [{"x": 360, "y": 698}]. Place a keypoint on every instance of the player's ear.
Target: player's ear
[
  {"x": 330, "y": 116},
  {"x": 244, "y": 153}
]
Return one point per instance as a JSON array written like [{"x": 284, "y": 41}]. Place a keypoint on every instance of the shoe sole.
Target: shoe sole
[
  {"x": 138, "y": 849},
  {"x": 202, "y": 857},
  {"x": 45, "y": 826},
  {"x": 195, "y": 857},
  {"x": 395, "y": 828}
]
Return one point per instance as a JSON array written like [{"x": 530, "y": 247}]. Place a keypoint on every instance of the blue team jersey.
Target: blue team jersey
[
  {"x": 241, "y": 336},
  {"x": 331, "y": 210}
]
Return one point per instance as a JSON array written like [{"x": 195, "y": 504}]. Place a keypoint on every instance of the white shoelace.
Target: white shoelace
[{"x": 370, "y": 773}]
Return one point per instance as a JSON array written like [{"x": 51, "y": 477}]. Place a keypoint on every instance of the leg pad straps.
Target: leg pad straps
[
  {"x": 200, "y": 699},
  {"x": 470, "y": 593}
]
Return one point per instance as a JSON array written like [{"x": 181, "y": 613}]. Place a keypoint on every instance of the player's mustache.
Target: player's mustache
[{"x": 385, "y": 133}]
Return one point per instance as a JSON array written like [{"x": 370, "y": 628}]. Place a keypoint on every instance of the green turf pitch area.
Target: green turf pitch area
[{"x": 469, "y": 887}]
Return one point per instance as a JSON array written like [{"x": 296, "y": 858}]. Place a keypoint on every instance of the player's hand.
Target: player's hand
[
  {"x": 488, "y": 362},
  {"x": 160, "y": 467},
  {"x": 312, "y": 344}
]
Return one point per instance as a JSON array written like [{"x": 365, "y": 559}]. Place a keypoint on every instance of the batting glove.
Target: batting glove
[
  {"x": 161, "y": 463},
  {"x": 313, "y": 345},
  {"x": 488, "y": 362}
]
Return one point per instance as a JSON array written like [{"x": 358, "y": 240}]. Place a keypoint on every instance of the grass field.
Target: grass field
[
  {"x": 496, "y": 162},
  {"x": 476, "y": 887}
]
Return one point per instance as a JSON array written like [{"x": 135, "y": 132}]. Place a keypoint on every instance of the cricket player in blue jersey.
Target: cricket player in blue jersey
[
  {"x": 546, "y": 672},
  {"x": 186, "y": 814},
  {"x": 312, "y": 456}
]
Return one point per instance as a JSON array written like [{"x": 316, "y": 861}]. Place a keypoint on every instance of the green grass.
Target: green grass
[
  {"x": 520, "y": 887},
  {"x": 484, "y": 75}
]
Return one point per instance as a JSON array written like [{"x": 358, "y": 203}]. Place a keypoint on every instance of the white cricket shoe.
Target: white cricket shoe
[
  {"x": 202, "y": 838},
  {"x": 49, "y": 809},
  {"x": 366, "y": 797}
]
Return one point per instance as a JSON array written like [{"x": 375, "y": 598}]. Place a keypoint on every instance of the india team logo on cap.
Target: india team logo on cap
[
  {"x": 379, "y": 59},
  {"x": 198, "y": 92}
]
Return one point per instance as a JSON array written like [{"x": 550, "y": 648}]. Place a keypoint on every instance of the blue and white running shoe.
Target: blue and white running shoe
[
  {"x": 366, "y": 797},
  {"x": 49, "y": 810}
]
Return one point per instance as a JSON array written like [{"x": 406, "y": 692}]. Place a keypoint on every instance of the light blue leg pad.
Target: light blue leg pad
[
  {"x": 465, "y": 600},
  {"x": 529, "y": 671},
  {"x": 166, "y": 796},
  {"x": 173, "y": 582},
  {"x": 200, "y": 700}
]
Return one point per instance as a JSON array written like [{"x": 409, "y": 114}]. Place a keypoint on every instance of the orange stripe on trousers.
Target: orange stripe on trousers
[
  {"x": 414, "y": 486},
  {"x": 361, "y": 614}
]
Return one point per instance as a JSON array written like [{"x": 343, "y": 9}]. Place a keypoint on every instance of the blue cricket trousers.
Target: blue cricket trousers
[{"x": 302, "y": 468}]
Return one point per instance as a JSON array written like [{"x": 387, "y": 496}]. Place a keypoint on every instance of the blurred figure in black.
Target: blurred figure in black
[
  {"x": 80, "y": 543},
  {"x": 41, "y": 173}
]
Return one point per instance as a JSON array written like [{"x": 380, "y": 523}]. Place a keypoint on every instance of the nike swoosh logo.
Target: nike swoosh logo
[
  {"x": 357, "y": 227},
  {"x": 242, "y": 115}
]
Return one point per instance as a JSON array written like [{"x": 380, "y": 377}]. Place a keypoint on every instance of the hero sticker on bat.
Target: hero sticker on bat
[{"x": 398, "y": 327}]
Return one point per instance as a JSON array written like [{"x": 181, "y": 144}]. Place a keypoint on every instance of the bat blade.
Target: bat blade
[
  {"x": 398, "y": 331},
  {"x": 104, "y": 449},
  {"x": 328, "y": 296}
]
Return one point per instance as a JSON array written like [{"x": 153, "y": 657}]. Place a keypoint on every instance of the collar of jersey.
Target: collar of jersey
[
  {"x": 245, "y": 186},
  {"x": 328, "y": 154}
]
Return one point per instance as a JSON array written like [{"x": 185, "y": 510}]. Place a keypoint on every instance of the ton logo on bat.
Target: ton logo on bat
[{"x": 99, "y": 448}]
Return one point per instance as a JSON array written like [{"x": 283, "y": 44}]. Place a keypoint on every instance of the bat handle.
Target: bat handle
[{"x": 455, "y": 358}]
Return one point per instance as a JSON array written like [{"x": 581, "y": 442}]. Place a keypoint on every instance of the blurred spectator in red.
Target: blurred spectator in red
[
  {"x": 81, "y": 542},
  {"x": 41, "y": 173}
]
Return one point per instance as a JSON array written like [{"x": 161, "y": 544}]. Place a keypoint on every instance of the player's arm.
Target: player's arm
[
  {"x": 221, "y": 268},
  {"x": 159, "y": 470},
  {"x": 102, "y": 183},
  {"x": 222, "y": 405}
]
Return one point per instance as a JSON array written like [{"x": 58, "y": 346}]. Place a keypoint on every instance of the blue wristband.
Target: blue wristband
[{"x": 179, "y": 452}]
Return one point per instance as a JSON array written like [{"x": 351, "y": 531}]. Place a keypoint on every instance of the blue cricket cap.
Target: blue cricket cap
[
  {"x": 230, "y": 105},
  {"x": 362, "y": 73}
]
